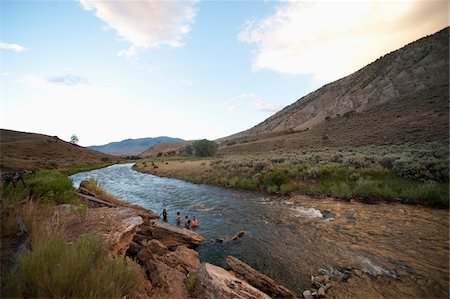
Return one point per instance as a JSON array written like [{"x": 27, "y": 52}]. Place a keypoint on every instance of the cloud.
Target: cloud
[
  {"x": 13, "y": 47},
  {"x": 233, "y": 104},
  {"x": 145, "y": 23},
  {"x": 52, "y": 81},
  {"x": 331, "y": 39},
  {"x": 266, "y": 106},
  {"x": 67, "y": 80}
]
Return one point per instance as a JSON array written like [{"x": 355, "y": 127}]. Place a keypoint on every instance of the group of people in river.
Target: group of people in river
[{"x": 188, "y": 223}]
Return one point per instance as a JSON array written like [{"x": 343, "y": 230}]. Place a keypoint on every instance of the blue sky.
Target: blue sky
[{"x": 112, "y": 70}]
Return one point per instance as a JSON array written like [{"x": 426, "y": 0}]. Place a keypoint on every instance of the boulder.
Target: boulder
[
  {"x": 307, "y": 294},
  {"x": 258, "y": 280},
  {"x": 121, "y": 237},
  {"x": 183, "y": 258},
  {"x": 156, "y": 247},
  {"x": 171, "y": 236},
  {"x": 167, "y": 282},
  {"x": 216, "y": 283}
]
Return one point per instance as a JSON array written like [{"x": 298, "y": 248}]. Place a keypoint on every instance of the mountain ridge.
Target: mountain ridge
[{"x": 132, "y": 146}]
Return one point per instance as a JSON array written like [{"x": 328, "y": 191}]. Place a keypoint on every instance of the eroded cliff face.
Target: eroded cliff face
[{"x": 416, "y": 67}]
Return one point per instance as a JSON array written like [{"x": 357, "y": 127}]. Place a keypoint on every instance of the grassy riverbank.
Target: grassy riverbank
[
  {"x": 39, "y": 259},
  {"x": 412, "y": 173}
]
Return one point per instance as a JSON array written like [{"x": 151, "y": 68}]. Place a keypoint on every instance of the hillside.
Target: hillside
[
  {"x": 164, "y": 147},
  {"x": 400, "y": 97},
  {"x": 21, "y": 150},
  {"x": 132, "y": 146}
]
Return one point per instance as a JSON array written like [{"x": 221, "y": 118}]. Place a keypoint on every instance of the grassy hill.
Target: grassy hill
[{"x": 21, "y": 150}]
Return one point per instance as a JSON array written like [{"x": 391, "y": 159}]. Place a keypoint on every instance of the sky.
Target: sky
[{"x": 112, "y": 70}]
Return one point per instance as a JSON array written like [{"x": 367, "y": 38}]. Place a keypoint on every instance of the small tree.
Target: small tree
[
  {"x": 188, "y": 150},
  {"x": 204, "y": 148},
  {"x": 74, "y": 139}
]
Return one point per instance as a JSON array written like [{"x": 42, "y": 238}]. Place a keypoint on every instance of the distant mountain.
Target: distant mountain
[
  {"x": 21, "y": 150},
  {"x": 401, "y": 97},
  {"x": 132, "y": 146}
]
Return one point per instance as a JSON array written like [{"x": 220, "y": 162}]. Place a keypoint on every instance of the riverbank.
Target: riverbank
[{"x": 412, "y": 173}]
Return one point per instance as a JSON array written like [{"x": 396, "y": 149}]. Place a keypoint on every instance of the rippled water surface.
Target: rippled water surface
[{"x": 291, "y": 238}]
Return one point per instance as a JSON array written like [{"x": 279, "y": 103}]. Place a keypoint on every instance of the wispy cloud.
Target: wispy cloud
[
  {"x": 67, "y": 80},
  {"x": 145, "y": 23},
  {"x": 331, "y": 39},
  {"x": 234, "y": 103},
  {"x": 262, "y": 105},
  {"x": 13, "y": 47}
]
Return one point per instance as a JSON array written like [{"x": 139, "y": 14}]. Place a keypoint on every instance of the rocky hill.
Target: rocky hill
[
  {"x": 21, "y": 150},
  {"x": 402, "y": 93},
  {"x": 132, "y": 146}
]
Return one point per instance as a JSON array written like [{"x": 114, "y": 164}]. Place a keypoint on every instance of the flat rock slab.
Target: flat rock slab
[
  {"x": 258, "y": 280},
  {"x": 170, "y": 235},
  {"x": 217, "y": 283}
]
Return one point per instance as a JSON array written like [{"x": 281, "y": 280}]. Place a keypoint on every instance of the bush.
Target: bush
[
  {"x": 83, "y": 270},
  {"x": 52, "y": 185},
  {"x": 204, "y": 148}
]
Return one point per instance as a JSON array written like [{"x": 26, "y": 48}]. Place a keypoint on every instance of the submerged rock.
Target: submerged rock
[
  {"x": 238, "y": 235},
  {"x": 215, "y": 282}
]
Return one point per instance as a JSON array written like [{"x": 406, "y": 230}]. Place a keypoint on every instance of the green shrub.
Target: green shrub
[
  {"x": 272, "y": 189},
  {"x": 287, "y": 188},
  {"x": 55, "y": 269},
  {"x": 191, "y": 281},
  {"x": 51, "y": 185}
]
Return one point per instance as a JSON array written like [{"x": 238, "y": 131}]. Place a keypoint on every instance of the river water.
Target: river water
[{"x": 403, "y": 249}]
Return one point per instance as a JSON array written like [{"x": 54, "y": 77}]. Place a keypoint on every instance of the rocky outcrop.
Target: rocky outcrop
[
  {"x": 215, "y": 282},
  {"x": 258, "y": 280},
  {"x": 171, "y": 236},
  {"x": 119, "y": 240}
]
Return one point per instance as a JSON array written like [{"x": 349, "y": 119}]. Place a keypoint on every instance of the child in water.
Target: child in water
[
  {"x": 187, "y": 222},
  {"x": 194, "y": 222}
]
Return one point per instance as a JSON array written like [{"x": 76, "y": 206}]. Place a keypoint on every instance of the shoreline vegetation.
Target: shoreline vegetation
[
  {"x": 409, "y": 173},
  {"x": 41, "y": 254}
]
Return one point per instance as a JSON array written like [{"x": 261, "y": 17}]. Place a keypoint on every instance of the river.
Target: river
[{"x": 402, "y": 248}]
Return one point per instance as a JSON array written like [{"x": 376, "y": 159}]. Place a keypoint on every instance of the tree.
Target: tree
[
  {"x": 74, "y": 139},
  {"x": 188, "y": 150},
  {"x": 204, "y": 148}
]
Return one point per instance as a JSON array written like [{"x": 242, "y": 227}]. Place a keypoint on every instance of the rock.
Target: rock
[
  {"x": 184, "y": 257},
  {"x": 238, "y": 235},
  {"x": 120, "y": 238},
  {"x": 258, "y": 280},
  {"x": 307, "y": 294},
  {"x": 156, "y": 247},
  {"x": 216, "y": 283},
  {"x": 145, "y": 255},
  {"x": 358, "y": 273},
  {"x": 321, "y": 292},
  {"x": 168, "y": 282},
  {"x": 171, "y": 236},
  {"x": 134, "y": 248}
]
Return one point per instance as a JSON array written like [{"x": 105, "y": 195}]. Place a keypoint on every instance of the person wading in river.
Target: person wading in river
[
  {"x": 194, "y": 222},
  {"x": 164, "y": 214},
  {"x": 178, "y": 218}
]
